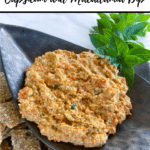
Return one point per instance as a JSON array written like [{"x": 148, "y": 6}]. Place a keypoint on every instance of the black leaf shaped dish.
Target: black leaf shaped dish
[{"x": 20, "y": 46}]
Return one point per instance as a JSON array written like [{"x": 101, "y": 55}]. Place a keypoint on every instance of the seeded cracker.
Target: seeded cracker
[
  {"x": 4, "y": 90},
  {"x": 23, "y": 139},
  {"x": 9, "y": 114},
  {"x": 2, "y": 128},
  {"x": 5, "y": 145}
]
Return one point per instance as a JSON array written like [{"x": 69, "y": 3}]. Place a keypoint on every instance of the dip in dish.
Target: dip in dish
[{"x": 76, "y": 98}]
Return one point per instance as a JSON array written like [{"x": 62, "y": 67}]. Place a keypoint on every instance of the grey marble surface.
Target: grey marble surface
[{"x": 73, "y": 27}]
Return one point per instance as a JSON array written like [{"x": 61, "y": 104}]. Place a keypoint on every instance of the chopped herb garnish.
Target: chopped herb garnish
[
  {"x": 43, "y": 114},
  {"x": 101, "y": 91},
  {"x": 66, "y": 103},
  {"x": 100, "y": 107},
  {"x": 56, "y": 128},
  {"x": 98, "y": 92},
  {"x": 73, "y": 106},
  {"x": 56, "y": 85},
  {"x": 32, "y": 82}
]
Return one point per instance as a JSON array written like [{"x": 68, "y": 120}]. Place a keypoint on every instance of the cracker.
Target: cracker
[
  {"x": 4, "y": 90},
  {"x": 5, "y": 145},
  {"x": 2, "y": 128},
  {"x": 9, "y": 114},
  {"x": 23, "y": 139}
]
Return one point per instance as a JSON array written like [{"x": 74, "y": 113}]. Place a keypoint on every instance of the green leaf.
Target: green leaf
[
  {"x": 112, "y": 49},
  {"x": 134, "y": 29},
  {"x": 142, "y": 33},
  {"x": 102, "y": 52},
  {"x": 128, "y": 73},
  {"x": 120, "y": 25},
  {"x": 123, "y": 16},
  {"x": 98, "y": 40},
  {"x": 130, "y": 18},
  {"x": 133, "y": 37},
  {"x": 103, "y": 15},
  {"x": 114, "y": 62},
  {"x": 140, "y": 13},
  {"x": 119, "y": 33},
  {"x": 143, "y": 17},
  {"x": 132, "y": 60},
  {"x": 103, "y": 23},
  {"x": 95, "y": 28},
  {"x": 115, "y": 17},
  {"x": 107, "y": 32},
  {"x": 122, "y": 47},
  {"x": 140, "y": 44},
  {"x": 134, "y": 44},
  {"x": 142, "y": 53},
  {"x": 148, "y": 27}
]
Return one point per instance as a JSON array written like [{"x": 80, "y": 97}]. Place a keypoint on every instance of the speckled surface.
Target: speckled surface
[{"x": 19, "y": 47}]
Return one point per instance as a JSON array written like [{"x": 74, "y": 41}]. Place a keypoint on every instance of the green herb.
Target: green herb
[
  {"x": 56, "y": 85},
  {"x": 73, "y": 106},
  {"x": 56, "y": 128},
  {"x": 43, "y": 114},
  {"x": 66, "y": 103},
  {"x": 100, "y": 107},
  {"x": 101, "y": 92},
  {"x": 115, "y": 38}
]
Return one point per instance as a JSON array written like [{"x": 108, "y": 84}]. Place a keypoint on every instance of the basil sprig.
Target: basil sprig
[{"x": 116, "y": 37}]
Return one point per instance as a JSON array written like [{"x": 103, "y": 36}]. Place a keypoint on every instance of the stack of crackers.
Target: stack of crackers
[{"x": 14, "y": 133}]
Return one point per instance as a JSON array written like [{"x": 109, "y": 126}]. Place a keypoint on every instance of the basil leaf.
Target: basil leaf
[
  {"x": 142, "y": 53},
  {"x": 114, "y": 62},
  {"x": 104, "y": 23},
  {"x": 123, "y": 16},
  {"x": 119, "y": 33},
  {"x": 112, "y": 49},
  {"x": 120, "y": 25},
  {"x": 132, "y": 60},
  {"x": 98, "y": 40},
  {"x": 134, "y": 29},
  {"x": 130, "y": 18},
  {"x": 115, "y": 17},
  {"x": 102, "y": 52},
  {"x": 148, "y": 27},
  {"x": 133, "y": 37},
  {"x": 103, "y": 15},
  {"x": 134, "y": 44},
  {"x": 142, "y": 33},
  {"x": 107, "y": 32},
  {"x": 128, "y": 73},
  {"x": 95, "y": 28},
  {"x": 143, "y": 17},
  {"x": 122, "y": 47},
  {"x": 140, "y": 44}
]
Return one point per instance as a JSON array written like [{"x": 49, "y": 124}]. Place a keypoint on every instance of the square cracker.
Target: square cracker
[
  {"x": 5, "y": 145},
  {"x": 2, "y": 128},
  {"x": 9, "y": 114},
  {"x": 4, "y": 90},
  {"x": 23, "y": 139}
]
